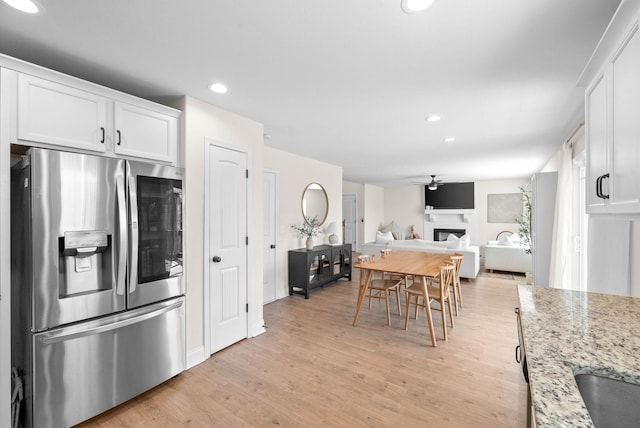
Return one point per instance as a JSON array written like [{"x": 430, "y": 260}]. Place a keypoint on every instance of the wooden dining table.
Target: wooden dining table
[{"x": 420, "y": 265}]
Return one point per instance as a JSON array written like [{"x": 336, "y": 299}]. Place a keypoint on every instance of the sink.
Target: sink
[{"x": 611, "y": 403}]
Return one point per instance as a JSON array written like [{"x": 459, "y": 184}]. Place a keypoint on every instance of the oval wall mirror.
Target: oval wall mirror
[{"x": 315, "y": 203}]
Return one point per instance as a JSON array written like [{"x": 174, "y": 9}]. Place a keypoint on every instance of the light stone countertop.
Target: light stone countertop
[{"x": 570, "y": 332}]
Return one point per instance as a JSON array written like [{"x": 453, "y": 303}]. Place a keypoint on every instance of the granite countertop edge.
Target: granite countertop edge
[{"x": 571, "y": 332}]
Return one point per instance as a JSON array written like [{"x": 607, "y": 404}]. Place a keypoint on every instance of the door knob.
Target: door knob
[
  {"x": 216, "y": 259},
  {"x": 273, "y": 245}
]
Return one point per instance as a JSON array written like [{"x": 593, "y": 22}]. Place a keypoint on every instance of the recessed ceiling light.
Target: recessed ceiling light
[
  {"x": 415, "y": 6},
  {"x": 218, "y": 88},
  {"x": 449, "y": 140},
  {"x": 433, "y": 118},
  {"x": 26, "y": 6}
]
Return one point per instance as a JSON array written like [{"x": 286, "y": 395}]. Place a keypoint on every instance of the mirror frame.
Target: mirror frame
[{"x": 326, "y": 202}]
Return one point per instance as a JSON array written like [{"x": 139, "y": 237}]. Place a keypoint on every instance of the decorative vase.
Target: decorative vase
[{"x": 309, "y": 243}]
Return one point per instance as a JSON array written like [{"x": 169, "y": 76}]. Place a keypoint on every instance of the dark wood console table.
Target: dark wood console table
[{"x": 321, "y": 265}]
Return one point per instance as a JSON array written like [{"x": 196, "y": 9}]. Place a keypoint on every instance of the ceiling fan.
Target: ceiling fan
[
  {"x": 434, "y": 184},
  {"x": 431, "y": 185}
]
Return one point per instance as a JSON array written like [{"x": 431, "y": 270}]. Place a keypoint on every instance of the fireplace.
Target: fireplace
[{"x": 441, "y": 234}]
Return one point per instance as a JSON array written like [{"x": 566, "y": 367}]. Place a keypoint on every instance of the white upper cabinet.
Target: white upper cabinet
[
  {"x": 144, "y": 133},
  {"x": 597, "y": 135},
  {"x": 56, "y": 114},
  {"x": 625, "y": 147},
  {"x": 612, "y": 116},
  {"x": 66, "y": 113}
]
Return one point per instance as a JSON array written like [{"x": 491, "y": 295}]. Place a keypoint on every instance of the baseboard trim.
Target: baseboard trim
[
  {"x": 258, "y": 328},
  {"x": 195, "y": 356}
]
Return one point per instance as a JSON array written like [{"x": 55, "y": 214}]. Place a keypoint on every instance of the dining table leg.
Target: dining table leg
[
  {"x": 427, "y": 310},
  {"x": 362, "y": 293}
]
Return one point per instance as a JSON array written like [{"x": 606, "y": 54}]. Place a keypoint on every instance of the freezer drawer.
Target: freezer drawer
[{"x": 83, "y": 370}]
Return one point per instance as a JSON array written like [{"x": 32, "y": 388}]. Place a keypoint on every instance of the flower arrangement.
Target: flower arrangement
[{"x": 309, "y": 228}]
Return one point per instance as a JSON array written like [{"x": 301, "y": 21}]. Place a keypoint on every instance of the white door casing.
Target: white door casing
[
  {"x": 269, "y": 242},
  {"x": 350, "y": 220},
  {"x": 227, "y": 246}
]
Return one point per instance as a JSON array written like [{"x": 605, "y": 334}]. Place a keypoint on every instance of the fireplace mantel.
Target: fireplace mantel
[
  {"x": 451, "y": 219},
  {"x": 464, "y": 215}
]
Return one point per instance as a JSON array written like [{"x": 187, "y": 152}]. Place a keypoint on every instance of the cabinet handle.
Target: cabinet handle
[
  {"x": 518, "y": 360},
  {"x": 601, "y": 192},
  {"x": 102, "y": 130},
  {"x": 119, "y": 137},
  {"x": 599, "y": 181}
]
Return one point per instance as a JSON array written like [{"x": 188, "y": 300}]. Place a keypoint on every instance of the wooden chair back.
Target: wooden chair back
[{"x": 447, "y": 273}]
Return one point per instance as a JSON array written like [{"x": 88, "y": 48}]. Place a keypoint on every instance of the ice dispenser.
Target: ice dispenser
[{"x": 86, "y": 264}]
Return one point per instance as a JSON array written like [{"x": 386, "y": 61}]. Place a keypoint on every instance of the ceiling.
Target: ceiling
[{"x": 347, "y": 82}]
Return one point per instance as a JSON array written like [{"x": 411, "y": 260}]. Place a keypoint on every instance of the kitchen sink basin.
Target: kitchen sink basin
[{"x": 611, "y": 403}]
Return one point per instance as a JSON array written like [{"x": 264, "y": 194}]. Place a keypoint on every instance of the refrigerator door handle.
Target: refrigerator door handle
[
  {"x": 122, "y": 234},
  {"x": 133, "y": 231},
  {"x": 136, "y": 317}
]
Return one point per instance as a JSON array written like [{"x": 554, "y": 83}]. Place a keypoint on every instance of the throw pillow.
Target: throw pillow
[
  {"x": 506, "y": 241},
  {"x": 384, "y": 238},
  {"x": 453, "y": 242}
]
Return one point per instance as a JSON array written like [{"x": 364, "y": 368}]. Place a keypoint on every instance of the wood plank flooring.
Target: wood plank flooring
[{"x": 313, "y": 369}]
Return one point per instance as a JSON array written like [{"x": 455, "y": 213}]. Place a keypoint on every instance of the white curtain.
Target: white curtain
[{"x": 560, "y": 274}]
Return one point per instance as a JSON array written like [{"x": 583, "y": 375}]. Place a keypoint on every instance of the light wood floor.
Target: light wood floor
[{"x": 313, "y": 369}]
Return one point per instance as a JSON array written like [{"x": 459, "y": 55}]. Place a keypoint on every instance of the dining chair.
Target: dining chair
[
  {"x": 404, "y": 278},
  {"x": 439, "y": 291},
  {"x": 380, "y": 288},
  {"x": 457, "y": 289}
]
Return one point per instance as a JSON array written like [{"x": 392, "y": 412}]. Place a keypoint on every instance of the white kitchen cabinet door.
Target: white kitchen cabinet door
[
  {"x": 625, "y": 147},
  {"x": 57, "y": 114},
  {"x": 145, "y": 133},
  {"x": 597, "y": 111}
]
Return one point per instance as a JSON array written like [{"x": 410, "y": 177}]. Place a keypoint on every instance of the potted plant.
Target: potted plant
[
  {"x": 524, "y": 221},
  {"x": 309, "y": 228}
]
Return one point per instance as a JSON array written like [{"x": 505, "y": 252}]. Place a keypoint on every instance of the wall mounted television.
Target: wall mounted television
[{"x": 450, "y": 196}]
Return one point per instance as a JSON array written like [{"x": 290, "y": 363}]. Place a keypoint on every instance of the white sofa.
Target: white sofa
[
  {"x": 510, "y": 258},
  {"x": 470, "y": 264}
]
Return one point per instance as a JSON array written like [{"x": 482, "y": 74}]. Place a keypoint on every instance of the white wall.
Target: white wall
[
  {"x": 202, "y": 120},
  {"x": 294, "y": 173},
  {"x": 405, "y": 206},
  {"x": 373, "y": 211},
  {"x": 488, "y": 231}
]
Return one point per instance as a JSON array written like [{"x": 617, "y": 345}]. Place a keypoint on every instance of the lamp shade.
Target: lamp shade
[{"x": 332, "y": 228}]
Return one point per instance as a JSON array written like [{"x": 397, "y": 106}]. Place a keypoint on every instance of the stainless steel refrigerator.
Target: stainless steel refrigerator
[{"x": 97, "y": 282}]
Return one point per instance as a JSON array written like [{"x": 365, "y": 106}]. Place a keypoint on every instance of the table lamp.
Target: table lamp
[{"x": 331, "y": 230}]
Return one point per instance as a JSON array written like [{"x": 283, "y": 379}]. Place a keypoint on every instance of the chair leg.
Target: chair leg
[
  {"x": 459, "y": 292},
  {"x": 450, "y": 312},
  {"x": 398, "y": 300},
  {"x": 386, "y": 301},
  {"x": 415, "y": 310},
  {"x": 444, "y": 320},
  {"x": 455, "y": 298},
  {"x": 406, "y": 313}
]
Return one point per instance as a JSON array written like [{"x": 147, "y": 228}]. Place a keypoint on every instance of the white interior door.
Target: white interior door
[
  {"x": 349, "y": 219},
  {"x": 227, "y": 258},
  {"x": 269, "y": 240}
]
